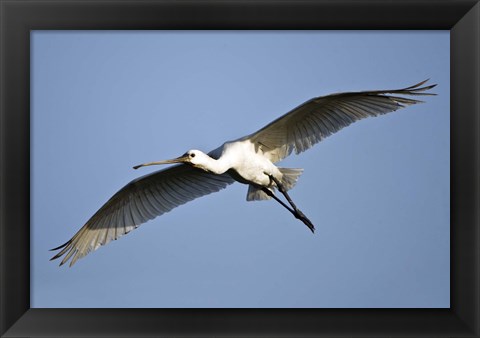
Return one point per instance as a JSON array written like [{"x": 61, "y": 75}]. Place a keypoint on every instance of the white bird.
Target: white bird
[{"x": 249, "y": 160}]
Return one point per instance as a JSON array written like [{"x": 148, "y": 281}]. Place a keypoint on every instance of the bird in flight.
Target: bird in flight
[{"x": 248, "y": 160}]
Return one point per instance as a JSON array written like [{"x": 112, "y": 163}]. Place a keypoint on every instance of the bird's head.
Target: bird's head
[{"x": 193, "y": 157}]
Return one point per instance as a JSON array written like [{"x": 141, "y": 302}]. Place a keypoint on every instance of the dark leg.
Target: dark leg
[
  {"x": 295, "y": 211},
  {"x": 282, "y": 189},
  {"x": 271, "y": 194}
]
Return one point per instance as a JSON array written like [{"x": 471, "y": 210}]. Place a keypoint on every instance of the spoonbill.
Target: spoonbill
[{"x": 248, "y": 160}]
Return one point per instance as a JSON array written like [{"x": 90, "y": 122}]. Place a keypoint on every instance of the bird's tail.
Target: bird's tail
[
  {"x": 289, "y": 179},
  {"x": 290, "y": 176}
]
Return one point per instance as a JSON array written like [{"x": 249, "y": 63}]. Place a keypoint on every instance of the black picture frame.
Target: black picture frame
[{"x": 19, "y": 17}]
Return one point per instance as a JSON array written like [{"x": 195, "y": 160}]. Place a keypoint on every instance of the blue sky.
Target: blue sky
[{"x": 377, "y": 191}]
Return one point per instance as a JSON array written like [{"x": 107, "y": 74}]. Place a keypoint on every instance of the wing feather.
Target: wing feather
[
  {"x": 139, "y": 201},
  {"x": 320, "y": 117}
]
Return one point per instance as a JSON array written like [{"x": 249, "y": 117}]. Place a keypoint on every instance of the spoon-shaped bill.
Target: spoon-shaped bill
[{"x": 181, "y": 159}]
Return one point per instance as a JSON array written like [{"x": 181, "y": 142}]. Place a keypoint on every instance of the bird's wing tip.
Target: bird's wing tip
[
  {"x": 417, "y": 89},
  {"x": 418, "y": 84},
  {"x": 55, "y": 257},
  {"x": 61, "y": 246}
]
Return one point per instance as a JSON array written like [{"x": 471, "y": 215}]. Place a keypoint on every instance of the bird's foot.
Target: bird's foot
[{"x": 301, "y": 216}]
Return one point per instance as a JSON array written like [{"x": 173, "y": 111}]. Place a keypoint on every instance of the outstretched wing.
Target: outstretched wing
[
  {"x": 139, "y": 201},
  {"x": 320, "y": 117}
]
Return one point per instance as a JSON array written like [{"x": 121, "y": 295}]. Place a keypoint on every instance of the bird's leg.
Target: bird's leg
[
  {"x": 295, "y": 211},
  {"x": 271, "y": 194},
  {"x": 282, "y": 189}
]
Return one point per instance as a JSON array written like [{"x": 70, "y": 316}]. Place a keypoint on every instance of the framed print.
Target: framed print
[
  {"x": 91, "y": 88},
  {"x": 125, "y": 108}
]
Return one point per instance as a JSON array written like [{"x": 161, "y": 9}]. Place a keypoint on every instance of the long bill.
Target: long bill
[{"x": 181, "y": 159}]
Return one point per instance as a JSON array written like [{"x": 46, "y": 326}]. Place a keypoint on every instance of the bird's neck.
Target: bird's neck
[{"x": 214, "y": 166}]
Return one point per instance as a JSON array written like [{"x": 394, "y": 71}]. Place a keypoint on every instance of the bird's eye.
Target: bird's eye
[{"x": 192, "y": 155}]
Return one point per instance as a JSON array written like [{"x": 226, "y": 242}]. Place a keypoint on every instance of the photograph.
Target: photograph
[{"x": 240, "y": 169}]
